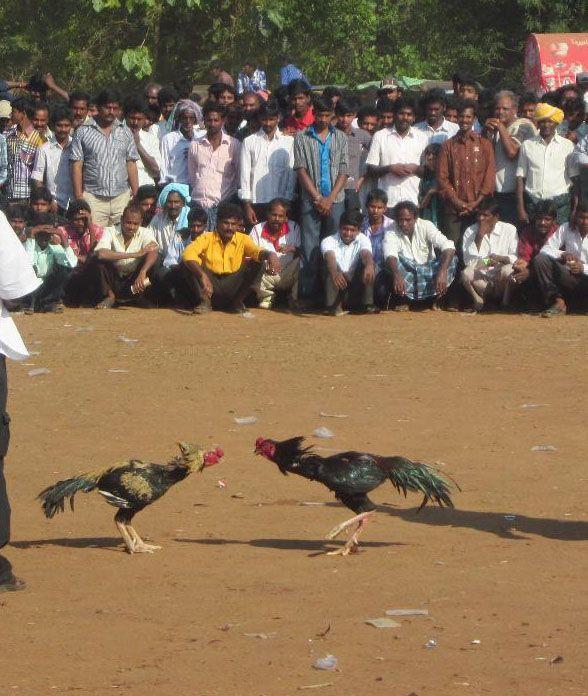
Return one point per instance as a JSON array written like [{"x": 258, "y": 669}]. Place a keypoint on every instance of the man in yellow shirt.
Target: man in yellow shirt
[{"x": 221, "y": 266}]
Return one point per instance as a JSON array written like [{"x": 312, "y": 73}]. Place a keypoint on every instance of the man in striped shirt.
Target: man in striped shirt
[
  {"x": 103, "y": 160},
  {"x": 22, "y": 142}
]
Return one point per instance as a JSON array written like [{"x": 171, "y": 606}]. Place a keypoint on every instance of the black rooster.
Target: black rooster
[
  {"x": 352, "y": 475},
  {"x": 131, "y": 486}
]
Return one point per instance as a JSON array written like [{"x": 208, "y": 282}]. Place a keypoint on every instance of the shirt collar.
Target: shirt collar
[
  {"x": 277, "y": 135},
  {"x": 409, "y": 134}
]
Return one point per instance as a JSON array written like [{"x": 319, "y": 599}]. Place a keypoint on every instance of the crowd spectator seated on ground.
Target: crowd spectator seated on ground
[{"x": 462, "y": 199}]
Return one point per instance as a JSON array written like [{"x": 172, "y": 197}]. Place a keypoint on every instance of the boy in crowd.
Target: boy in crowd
[
  {"x": 146, "y": 201},
  {"x": 282, "y": 236},
  {"x": 358, "y": 145},
  {"x": 376, "y": 224},
  {"x": 349, "y": 268},
  {"x": 18, "y": 215},
  {"x": 53, "y": 260}
]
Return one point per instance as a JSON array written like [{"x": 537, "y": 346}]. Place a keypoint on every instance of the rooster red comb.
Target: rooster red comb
[{"x": 259, "y": 442}]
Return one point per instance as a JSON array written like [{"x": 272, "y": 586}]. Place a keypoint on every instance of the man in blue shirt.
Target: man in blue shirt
[
  {"x": 321, "y": 161},
  {"x": 289, "y": 72}
]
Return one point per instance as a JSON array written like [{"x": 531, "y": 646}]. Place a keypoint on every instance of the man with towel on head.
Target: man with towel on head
[{"x": 546, "y": 168}]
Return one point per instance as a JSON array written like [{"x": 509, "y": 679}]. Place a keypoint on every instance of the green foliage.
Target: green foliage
[{"x": 91, "y": 43}]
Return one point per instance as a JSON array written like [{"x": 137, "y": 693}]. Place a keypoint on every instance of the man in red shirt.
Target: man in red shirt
[
  {"x": 532, "y": 238},
  {"x": 303, "y": 115}
]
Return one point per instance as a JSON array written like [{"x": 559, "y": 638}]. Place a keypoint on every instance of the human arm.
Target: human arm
[
  {"x": 520, "y": 191},
  {"x": 510, "y": 145},
  {"x": 441, "y": 284},
  {"x": 3, "y": 160},
  {"x": 272, "y": 261},
  {"x": 245, "y": 194},
  {"x": 337, "y": 277},
  {"x": 369, "y": 268},
  {"x": 49, "y": 81},
  {"x": 133, "y": 175},
  {"x": 446, "y": 189},
  {"x": 149, "y": 161},
  {"x": 149, "y": 259}
]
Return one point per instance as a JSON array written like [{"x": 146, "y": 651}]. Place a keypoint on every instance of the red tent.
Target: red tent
[{"x": 553, "y": 60}]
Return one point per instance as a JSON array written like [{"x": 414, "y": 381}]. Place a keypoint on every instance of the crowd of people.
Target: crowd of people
[{"x": 246, "y": 196}]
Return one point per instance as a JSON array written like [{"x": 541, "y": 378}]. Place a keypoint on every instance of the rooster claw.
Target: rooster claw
[{"x": 145, "y": 548}]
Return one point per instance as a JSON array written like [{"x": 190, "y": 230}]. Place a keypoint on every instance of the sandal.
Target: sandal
[
  {"x": 553, "y": 312},
  {"x": 107, "y": 303}
]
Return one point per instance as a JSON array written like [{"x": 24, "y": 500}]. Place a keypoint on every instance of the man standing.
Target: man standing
[
  {"x": 320, "y": 160},
  {"x": 435, "y": 126},
  {"x": 465, "y": 174},
  {"x": 103, "y": 160},
  {"x": 51, "y": 168},
  {"x": 267, "y": 166},
  {"x": 507, "y": 133},
  {"x": 546, "y": 167},
  {"x": 22, "y": 143},
  {"x": 147, "y": 144},
  {"x": 213, "y": 164},
  {"x": 17, "y": 279},
  {"x": 251, "y": 79},
  {"x": 395, "y": 156},
  {"x": 358, "y": 145},
  {"x": 289, "y": 72},
  {"x": 79, "y": 103},
  {"x": 175, "y": 145}
]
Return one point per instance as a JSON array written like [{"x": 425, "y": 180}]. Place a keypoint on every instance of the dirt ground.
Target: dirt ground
[{"x": 506, "y": 597}]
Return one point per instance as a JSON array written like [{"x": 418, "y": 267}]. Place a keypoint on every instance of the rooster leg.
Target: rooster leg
[
  {"x": 352, "y": 543},
  {"x": 122, "y": 528},
  {"x": 140, "y": 545}
]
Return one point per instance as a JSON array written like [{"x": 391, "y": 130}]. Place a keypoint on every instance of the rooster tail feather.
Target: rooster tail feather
[
  {"x": 416, "y": 477},
  {"x": 53, "y": 498}
]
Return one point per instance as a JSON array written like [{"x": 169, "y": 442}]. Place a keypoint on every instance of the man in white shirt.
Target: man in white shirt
[
  {"x": 282, "y": 236},
  {"x": 349, "y": 267},
  {"x": 51, "y": 168},
  {"x": 267, "y": 166},
  {"x": 175, "y": 146},
  {"x": 561, "y": 268},
  {"x": 489, "y": 250},
  {"x": 395, "y": 156},
  {"x": 125, "y": 254},
  {"x": 546, "y": 167},
  {"x": 149, "y": 162},
  {"x": 436, "y": 127},
  {"x": 17, "y": 279},
  {"x": 419, "y": 260},
  {"x": 507, "y": 133}
]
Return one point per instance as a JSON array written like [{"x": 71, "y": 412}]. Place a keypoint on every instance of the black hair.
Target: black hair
[
  {"x": 433, "y": 148},
  {"x": 136, "y": 104},
  {"x": 351, "y": 217},
  {"x": 18, "y": 210},
  {"x": 213, "y": 107},
  {"x": 568, "y": 88},
  {"x": 464, "y": 104},
  {"x": 154, "y": 113},
  {"x": 249, "y": 62},
  {"x": 41, "y": 193},
  {"x": 331, "y": 92},
  {"x": 434, "y": 96},
  {"x": 490, "y": 205},
  {"x": 470, "y": 82},
  {"x": 77, "y": 206},
  {"x": 24, "y": 104},
  {"x": 528, "y": 98},
  {"x": 404, "y": 103},
  {"x": 107, "y": 96},
  {"x": 42, "y": 219},
  {"x": 366, "y": 112},
  {"x": 166, "y": 95},
  {"x": 377, "y": 195},
  {"x": 197, "y": 214},
  {"x": 41, "y": 106},
  {"x": 298, "y": 87},
  {"x": 79, "y": 96},
  {"x": 269, "y": 109},
  {"x": 581, "y": 207},
  {"x": 218, "y": 88},
  {"x": 406, "y": 205},
  {"x": 572, "y": 105},
  {"x": 279, "y": 201},
  {"x": 251, "y": 93},
  {"x": 145, "y": 191},
  {"x": 322, "y": 105},
  {"x": 60, "y": 113},
  {"x": 183, "y": 88},
  {"x": 226, "y": 211},
  {"x": 37, "y": 83},
  {"x": 132, "y": 207},
  {"x": 543, "y": 208},
  {"x": 346, "y": 105},
  {"x": 452, "y": 103},
  {"x": 385, "y": 106}
]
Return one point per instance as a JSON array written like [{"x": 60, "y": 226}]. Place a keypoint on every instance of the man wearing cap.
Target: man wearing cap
[
  {"x": 388, "y": 90},
  {"x": 546, "y": 167}
]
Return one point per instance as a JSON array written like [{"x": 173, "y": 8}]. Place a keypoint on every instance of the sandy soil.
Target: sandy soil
[{"x": 248, "y": 558}]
